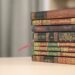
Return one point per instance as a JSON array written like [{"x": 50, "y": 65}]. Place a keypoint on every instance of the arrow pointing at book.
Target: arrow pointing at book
[{"x": 24, "y": 47}]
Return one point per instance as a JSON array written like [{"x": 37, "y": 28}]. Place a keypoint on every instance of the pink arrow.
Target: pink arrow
[{"x": 24, "y": 47}]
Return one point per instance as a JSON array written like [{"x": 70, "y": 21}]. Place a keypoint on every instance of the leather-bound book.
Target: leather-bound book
[{"x": 52, "y": 14}]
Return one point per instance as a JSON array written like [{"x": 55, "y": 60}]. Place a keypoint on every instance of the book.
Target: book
[
  {"x": 55, "y": 37},
  {"x": 55, "y": 49},
  {"x": 46, "y": 53},
  {"x": 61, "y": 60},
  {"x": 52, "y": 14},
  {"x": 53, "y": 44},
  {"x": 53, "y": 28},
  {"x": 65, "y": 21}
]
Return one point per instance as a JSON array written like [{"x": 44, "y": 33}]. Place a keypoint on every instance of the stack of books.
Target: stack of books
[{"x": 54, "y": 36}]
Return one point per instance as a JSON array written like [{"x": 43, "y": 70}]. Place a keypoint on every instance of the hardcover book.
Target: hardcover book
[
  {"x": 62, "y": 13},
  {"x": 66, "y": 21},
  {"x": 51, "y": 53},
  {"x": 53, "y": 28},
  {"x": 54, "y": 44},
  {"x": 50, "y": 59},
  {"x": 55, "y": 49},
  {"x": 54, "y": 36}
]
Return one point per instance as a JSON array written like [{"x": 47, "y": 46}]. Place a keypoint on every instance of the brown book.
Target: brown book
[
  {"x": 55, "y": 49},
  {"x": 54, "y": 22},
  {"x": 55, "y": 37},
  {"x": 62, "y": 54},
  {"x": 61, "y": 60},
  {"x": 62, "y": 13},
  {"x": 54, "y": 28},
  {"x": 54, "y": 44}
]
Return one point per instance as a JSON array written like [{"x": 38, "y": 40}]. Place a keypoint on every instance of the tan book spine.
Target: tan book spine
[
  {"x": 64, "y": 60},
  {"x": 62, "y": 49},
  {"x": 54, "y": 53},
  {"x": 47, "y": 44},
  {"x": 54, "y": 22},
  {"x": 61, "y": 60}
]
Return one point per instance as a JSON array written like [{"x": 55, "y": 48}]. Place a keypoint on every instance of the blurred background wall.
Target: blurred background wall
[
  {"x": 15, "y": 27},
  {"x": 15, "y": 23}
]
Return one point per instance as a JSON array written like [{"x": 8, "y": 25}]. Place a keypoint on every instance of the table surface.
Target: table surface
[{"x": 25, "y": 66}]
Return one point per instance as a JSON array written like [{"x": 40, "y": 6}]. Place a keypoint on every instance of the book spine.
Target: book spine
[
  {"x": 49, "y": 44},
  {"x": 64, "y": 13},
  {"x": 53, "y": 28},
  {"x": 62, "y": 60},
  {"x": 55, "y": 36},
  {"x": 63, "y": 54},
  {"x": 54, "y": 49},
  {"x": 38, "y": 15},
  {"x": 54, "y": 22}
]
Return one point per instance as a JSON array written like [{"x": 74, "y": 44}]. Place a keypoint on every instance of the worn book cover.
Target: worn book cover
[{"x": 52, "y": 14}]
